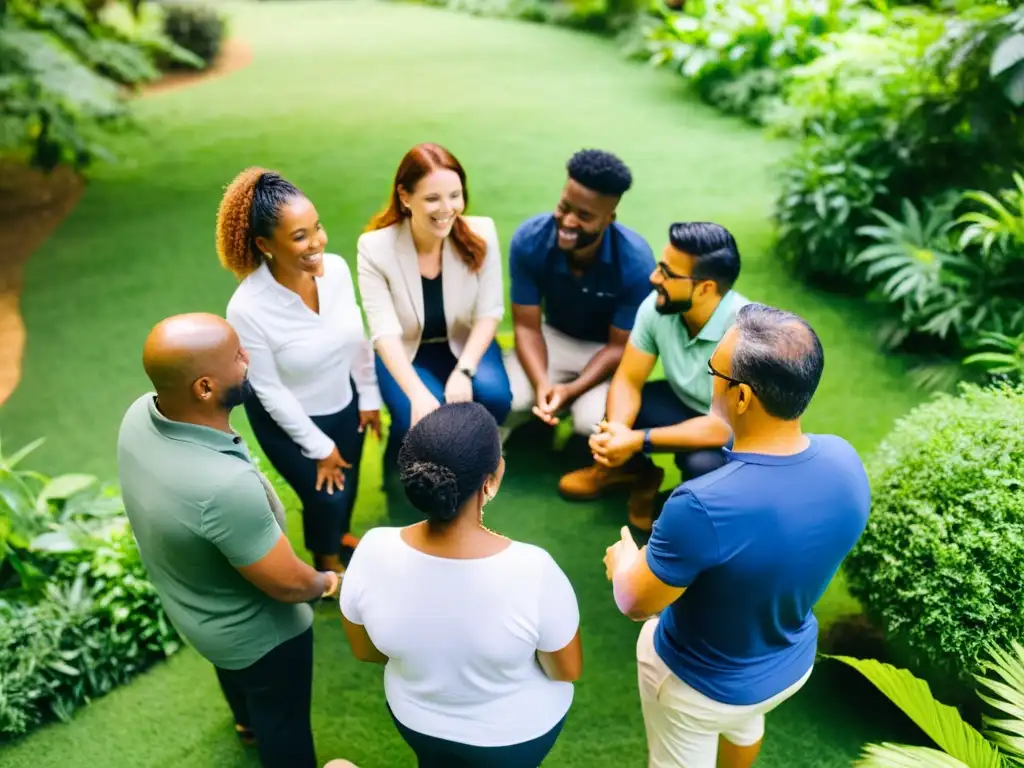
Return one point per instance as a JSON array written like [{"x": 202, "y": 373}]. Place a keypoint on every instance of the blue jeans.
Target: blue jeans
[{"x": 434, "y": 363}]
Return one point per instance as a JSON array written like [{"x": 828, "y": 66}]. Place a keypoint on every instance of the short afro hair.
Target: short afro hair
[{"x": 600, "y": 171}]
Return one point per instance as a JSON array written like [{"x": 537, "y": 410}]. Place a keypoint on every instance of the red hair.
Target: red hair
[{"x": 419, "y": 161}]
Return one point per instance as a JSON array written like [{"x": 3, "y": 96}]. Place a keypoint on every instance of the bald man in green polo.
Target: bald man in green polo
[{"x": 210, "y": 533}]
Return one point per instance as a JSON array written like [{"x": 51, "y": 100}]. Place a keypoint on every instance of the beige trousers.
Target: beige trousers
[{"x": 567, "y": 357}]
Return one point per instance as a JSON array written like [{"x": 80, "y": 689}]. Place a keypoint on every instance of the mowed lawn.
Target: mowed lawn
[{"x": 337, "y": 93}]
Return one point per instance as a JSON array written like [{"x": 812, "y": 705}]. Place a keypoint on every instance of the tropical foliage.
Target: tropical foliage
[
  {"x": 64, "y": 70},
  {"x": 77, "y": 614},
  {"x": 960, "y": 745}
]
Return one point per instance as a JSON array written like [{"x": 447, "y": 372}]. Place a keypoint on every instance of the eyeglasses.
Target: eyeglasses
[
  {"x": 732, "y": 381},
  {"x": 668, "y": 274}
]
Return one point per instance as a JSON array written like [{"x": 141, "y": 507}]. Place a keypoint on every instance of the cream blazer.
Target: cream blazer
[{"x": 391, "y": 287}]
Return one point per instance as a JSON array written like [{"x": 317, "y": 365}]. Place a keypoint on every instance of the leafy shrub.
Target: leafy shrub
[
  {"x": 735, "y": 54},
  {"x": 63, "y": 67},
  {"x": 78, "y": 615},
  {"x": 955, "y": 283},
  {"x": 43, "y": 520},
  {"x": 195, "y": 28},
  {"x": 939, "y": 564},
  {"x": 96, "y": 625}
]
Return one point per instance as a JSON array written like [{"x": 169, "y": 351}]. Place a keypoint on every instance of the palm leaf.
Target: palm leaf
[
  {"x": 941, "y": 722},
  {"x": 900, "y": 756},
  {"x": 1007, "y": 696}
]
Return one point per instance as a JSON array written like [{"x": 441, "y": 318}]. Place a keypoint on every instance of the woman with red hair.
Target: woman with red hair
[{"x": 430, "y": 279}]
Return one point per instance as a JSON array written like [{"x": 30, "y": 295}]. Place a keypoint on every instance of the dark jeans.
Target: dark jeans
[
  {"x": 325, "y": 517},
  {"x": 434, "y": 363},
  {"x": 659, "y": 407},
  {"x": 272, "y": 699},
  {"x": 439, "y": 753}
]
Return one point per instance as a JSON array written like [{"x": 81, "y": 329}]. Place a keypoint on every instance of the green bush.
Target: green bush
[
  {"x": 78, "y": 615},
  {"x": 64, "y": 70},
  {"x": 96, "y": 625},
  {"x": 196, "y": 28},
  {"x": 939, "y": 567}
]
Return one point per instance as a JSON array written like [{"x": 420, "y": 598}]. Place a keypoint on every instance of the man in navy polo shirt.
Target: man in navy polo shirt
[
  {"x": 578, "y": 277},
  {"x": 740, "y": 555}
]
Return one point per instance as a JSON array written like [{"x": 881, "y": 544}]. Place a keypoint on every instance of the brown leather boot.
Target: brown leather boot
[
  {"x": 593, "y": 481},
  {"x": 642, "y": 498}
]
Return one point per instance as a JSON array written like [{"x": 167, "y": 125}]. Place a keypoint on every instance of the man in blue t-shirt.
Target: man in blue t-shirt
[
  {"x": 740, "y": 555},
  {"x": 578, "y": 277}
]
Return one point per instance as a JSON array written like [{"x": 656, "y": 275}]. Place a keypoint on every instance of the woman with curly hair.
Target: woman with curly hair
[
  {"x": 431, "y": 284},
  {"x": 314, "y": 387}
]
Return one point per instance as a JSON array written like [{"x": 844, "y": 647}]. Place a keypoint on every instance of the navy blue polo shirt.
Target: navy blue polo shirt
[
  {"x": 755, "y": 543},
  {"x": 607, "y": 294}
]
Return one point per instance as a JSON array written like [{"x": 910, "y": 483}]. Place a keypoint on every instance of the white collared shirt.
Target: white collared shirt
[{"x": 300, "y": 361}]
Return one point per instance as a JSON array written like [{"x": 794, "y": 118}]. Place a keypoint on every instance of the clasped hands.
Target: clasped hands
[
  {"x": 613, "y": 443},
  {"x": 551, "y": 400}
]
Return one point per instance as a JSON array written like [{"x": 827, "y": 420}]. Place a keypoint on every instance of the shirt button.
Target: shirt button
[{"x": 237, "y": 440}]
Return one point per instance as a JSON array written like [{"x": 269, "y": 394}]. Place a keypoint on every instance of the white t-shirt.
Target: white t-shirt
[
  {"x": 299, "y": 360},
  {"x": 461, "y": 635}
]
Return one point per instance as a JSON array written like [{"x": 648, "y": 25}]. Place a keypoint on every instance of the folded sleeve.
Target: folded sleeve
[
  {"x": 490, "y": 300},
  {"x": 559, "y": 609},
  {"x": 375, "y": 293},
  {"x": 525, "y": 288},
  {"x": 364, "y": 371},
  {"x": 279, "y": 401},
  {"x": 240, "y": 522},
  {"x": 683, "y": 541}
]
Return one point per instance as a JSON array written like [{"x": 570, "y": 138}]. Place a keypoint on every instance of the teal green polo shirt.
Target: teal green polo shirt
[
  {"x": 684, "y": 359},
  {"x": 199, "y": 511}
]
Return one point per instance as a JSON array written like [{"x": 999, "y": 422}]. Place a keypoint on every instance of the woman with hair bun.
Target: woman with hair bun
[
  {"x": 314, "y": 387},
  {"x": 430, "y": 279},
  {"x": 479, "y": 634}
]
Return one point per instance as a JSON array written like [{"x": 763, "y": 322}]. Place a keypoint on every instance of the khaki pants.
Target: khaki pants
[
  {"x": 567, "y": 357},
  {"x": 683, "y": 725}
]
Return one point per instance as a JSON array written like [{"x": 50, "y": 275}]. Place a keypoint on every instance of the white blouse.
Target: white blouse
[
  {"x": 300, "y": 361},
  {"x": 461, "y": 637}
]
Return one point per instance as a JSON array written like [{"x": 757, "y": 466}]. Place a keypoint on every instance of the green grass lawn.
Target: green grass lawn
[{"x": 337, "y": 92}]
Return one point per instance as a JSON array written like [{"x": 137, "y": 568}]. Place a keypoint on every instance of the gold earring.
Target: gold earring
[{"x": 268, "y": 255}]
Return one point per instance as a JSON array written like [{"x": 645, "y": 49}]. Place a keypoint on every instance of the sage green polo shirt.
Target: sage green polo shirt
[
  {"x": 684, "y": 359},
  {"x": 198, "y": 510}
]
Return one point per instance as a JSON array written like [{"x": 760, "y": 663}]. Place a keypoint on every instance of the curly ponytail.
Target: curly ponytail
[{"x": 249, "y": 209}]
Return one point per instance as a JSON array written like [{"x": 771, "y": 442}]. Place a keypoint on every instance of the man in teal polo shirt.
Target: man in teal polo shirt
[
  {"x": 209, "y": 532},
  {"x": 681, "y": 322}
]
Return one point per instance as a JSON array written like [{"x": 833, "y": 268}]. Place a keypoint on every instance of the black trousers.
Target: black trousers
[
  {"x": 432, "y": 752},
  {"x": 326, "y": 517},
  {"x": 659, "y": 407},
  {"x": 272, "y": 699}
]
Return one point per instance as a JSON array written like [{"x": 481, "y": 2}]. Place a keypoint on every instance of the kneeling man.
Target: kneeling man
[
  {"x": 681, "y": 322},
  {"x": 590, "y": 273}
]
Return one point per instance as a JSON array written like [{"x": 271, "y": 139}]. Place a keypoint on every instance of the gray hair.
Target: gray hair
[{"x": 779, "y": 356}]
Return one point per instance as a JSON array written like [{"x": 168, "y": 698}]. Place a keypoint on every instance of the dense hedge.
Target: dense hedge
[{"x": 940, "y": 566}]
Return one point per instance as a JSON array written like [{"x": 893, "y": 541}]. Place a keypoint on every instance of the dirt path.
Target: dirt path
[{"x": 33, "y": 205}]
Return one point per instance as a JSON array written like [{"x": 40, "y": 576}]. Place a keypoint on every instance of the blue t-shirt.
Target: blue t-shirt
[
  {"x": 755, "y": 542},
  {"x": 607, "y": 294}
]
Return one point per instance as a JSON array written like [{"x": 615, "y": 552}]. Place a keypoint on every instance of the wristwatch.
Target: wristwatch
[{"x": 648, "y": 445}]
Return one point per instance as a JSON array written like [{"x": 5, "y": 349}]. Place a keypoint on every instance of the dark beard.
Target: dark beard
[
  {"x": 670, "y": 307},
  {"x": 583, "y": 240},
  {"x": 235, "y": 396}
]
